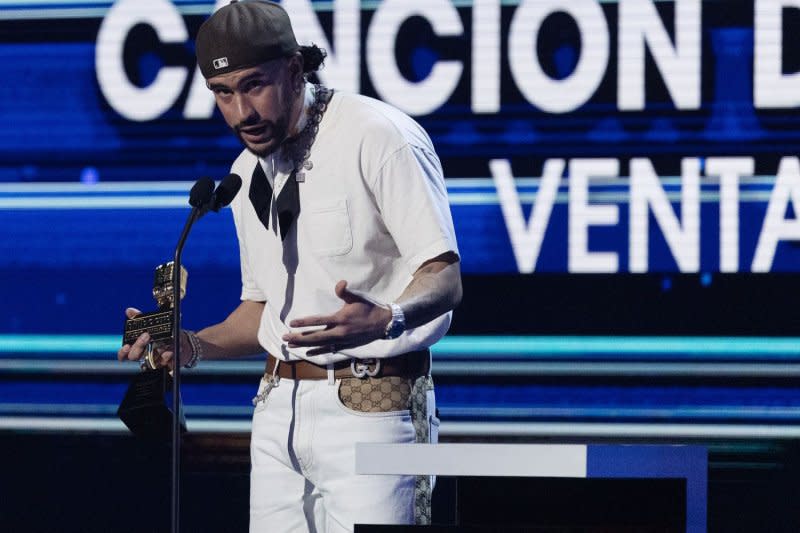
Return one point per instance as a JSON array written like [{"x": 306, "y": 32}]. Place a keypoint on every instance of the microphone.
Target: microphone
[
  {"x": 226, "y": 191},
  {"x": 202, "y": 192}
]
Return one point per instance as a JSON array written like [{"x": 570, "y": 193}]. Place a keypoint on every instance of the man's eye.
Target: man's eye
[{"x": 254, "y": 84}]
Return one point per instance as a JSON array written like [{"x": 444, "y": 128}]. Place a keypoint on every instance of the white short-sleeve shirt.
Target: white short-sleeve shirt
[{"x": 373, "y": 208}]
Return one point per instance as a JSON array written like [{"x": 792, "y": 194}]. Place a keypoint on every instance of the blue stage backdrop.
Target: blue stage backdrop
[
  {"x": 577, "y": 137},
  {"x": 623, "y": 167},
  {"x": 601, "y": 137}
]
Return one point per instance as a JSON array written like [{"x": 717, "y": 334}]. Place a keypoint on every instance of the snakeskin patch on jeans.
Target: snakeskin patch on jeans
[{"x": 421, "y": 420}]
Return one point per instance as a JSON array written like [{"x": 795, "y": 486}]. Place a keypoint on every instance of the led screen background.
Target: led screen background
[
  {"x": 599, "y": 138},
  {"x": 624, "y": 182}
]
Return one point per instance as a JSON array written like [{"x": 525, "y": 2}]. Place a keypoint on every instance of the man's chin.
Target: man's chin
[{"x": 260, "y": 149}]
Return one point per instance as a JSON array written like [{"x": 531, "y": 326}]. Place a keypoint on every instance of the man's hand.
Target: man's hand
[
  {"x": 434, "y": 289},
  {"x": 359, "y": 321},
  {"x": 236, "y": 336},
  {"x": 162, "y": 353}
]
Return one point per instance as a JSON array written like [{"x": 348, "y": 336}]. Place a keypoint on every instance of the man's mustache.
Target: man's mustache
[{"x": 249, "y": 123}]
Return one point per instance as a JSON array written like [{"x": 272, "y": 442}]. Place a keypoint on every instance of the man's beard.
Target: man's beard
[{"x": 279, "y": 128}]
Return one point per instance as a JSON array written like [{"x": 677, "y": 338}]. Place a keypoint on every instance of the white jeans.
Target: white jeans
[{"x": 303, "y": 462}]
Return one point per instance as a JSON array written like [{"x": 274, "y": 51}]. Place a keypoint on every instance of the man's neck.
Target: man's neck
[{"x": 300, "y": 105}]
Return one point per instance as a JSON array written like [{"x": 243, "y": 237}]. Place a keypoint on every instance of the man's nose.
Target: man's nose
[{"x": 245, "y": 110}]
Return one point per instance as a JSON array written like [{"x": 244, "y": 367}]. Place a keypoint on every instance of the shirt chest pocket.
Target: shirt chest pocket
[{"x": 328, "y": 225}]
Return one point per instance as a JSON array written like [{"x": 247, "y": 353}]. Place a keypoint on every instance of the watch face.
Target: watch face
[
  {"x": 397, "y": 325},
  {"x": 395, "y": 329}
]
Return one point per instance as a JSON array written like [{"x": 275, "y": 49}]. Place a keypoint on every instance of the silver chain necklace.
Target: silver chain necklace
[{"x": 298, "y": 151}]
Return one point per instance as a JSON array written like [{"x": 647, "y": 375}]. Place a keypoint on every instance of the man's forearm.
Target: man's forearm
[
  {"x": 236, "y": 336},
  {"x": 434, "y": 290}
]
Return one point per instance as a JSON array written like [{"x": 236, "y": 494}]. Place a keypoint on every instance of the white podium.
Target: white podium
[{"x": 548, "y": 461}]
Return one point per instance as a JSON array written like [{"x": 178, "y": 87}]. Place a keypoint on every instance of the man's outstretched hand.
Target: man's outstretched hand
[{"x": 359, "y": 321}]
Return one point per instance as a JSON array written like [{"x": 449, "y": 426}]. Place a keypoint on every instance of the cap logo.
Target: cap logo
[{"x": 220, "y": 62}]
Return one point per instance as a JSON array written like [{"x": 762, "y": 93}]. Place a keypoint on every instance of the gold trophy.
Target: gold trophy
[{"x": 144, "y": 409}]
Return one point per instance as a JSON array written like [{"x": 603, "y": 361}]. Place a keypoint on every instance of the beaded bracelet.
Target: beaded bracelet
[{"x": 197, "y": 349}]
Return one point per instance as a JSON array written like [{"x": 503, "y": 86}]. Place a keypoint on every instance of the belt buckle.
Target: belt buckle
[{"x": 360, "y": 367}]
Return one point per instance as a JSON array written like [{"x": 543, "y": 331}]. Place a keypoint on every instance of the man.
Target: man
[{"x": 349, "y": 272}]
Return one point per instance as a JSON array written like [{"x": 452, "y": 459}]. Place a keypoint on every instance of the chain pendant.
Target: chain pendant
[{"x": 272, "y": 382}]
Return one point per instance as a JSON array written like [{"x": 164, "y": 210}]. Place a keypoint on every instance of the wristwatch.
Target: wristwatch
[{"x": 397, "y": 325}]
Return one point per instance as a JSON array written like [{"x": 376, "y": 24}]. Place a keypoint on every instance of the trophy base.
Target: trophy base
[{"x": 144, "y": 408}]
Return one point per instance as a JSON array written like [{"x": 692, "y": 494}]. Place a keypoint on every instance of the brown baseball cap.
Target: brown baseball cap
[{"x": 242, "y": 35}]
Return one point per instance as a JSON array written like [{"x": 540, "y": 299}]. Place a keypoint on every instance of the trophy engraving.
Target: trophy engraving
[
  {"x": 144, "y": 409},
  {"x": 157, "y": 323}
]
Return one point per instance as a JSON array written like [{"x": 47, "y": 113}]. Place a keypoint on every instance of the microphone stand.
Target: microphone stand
[
  {"x": 196, "y": 213},
  {"x": 221, "y": 197}
]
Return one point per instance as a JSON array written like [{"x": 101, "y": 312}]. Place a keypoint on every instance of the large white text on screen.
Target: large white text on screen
[
  {"x": 640, "y": 29},
  {"x": 646, "y": 196}
]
